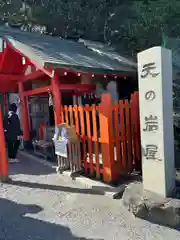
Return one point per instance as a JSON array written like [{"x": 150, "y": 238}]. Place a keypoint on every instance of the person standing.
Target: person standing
[{"x": 13, "y": 133}]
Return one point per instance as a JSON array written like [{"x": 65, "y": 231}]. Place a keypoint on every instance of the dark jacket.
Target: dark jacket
[{"x": 12, "y": 128}]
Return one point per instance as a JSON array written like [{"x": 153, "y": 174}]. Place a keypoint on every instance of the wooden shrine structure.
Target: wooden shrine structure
[{"x": 31, "y": 64}]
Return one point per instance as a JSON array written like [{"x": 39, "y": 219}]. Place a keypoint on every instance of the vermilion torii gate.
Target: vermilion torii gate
[{"x": 57, "y": 63}]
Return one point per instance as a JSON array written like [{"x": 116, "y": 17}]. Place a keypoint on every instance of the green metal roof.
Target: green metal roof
[{"x": 55, "y": 52}]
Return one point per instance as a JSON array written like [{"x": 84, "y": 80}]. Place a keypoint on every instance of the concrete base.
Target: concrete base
[
  {"x": 151, "y": 207},
  {"x": 4, "y": 179},
  {"x": 99, "y": 187}
]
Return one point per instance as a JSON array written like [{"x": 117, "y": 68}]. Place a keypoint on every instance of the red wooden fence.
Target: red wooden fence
[{"x": 110, "y": 135}]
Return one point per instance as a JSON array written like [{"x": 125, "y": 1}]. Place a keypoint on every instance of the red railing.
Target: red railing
[{"x": 110, "y": 136}]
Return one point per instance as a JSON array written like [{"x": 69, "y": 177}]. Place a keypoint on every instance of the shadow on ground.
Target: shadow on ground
[
  {"x": 14, "y": 224},
  {"x": 29, "y": 167},
  {"x": 36, "y": 185},
  {"x": 157, "y": 221}
]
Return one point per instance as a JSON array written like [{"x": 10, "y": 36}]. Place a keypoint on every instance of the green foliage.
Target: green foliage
[
  {"x": 150, "y": 21},
  {"x": 129, "y": 25}
]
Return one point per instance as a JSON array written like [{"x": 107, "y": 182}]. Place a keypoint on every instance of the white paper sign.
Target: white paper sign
[{"x": 62, "y": 148}]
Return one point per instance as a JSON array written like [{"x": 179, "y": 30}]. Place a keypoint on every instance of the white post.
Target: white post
[{"x": 156, "y": 118}]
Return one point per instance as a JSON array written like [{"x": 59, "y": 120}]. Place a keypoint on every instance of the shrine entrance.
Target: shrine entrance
[{"x": 35, "y": 66}]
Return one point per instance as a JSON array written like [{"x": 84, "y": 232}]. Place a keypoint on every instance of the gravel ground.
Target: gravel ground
[{"x": 41, "y": 205}]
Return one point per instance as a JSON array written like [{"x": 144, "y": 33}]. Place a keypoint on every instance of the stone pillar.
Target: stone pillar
[{"x": 156, "y": 118}]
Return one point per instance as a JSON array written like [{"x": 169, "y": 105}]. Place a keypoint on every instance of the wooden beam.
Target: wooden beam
[
  {"x": 9, "y": 77},
  {"x": 37, "y": 91},
  {"x": 5, "y": 89},
  {"x": 4, "y": 55},
  {"x": 78, "y": 87},
  {"x": 71, "y": 87},
  {"x": 57, "y": 98},
  {"x": 4, "y": 161},
  {"x": 24, "y": 112},
  {"x": 32, "y": 76},
  {"x": 5, "y": 102}
]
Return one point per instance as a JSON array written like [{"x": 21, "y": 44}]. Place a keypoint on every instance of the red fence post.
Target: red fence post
[
  {"x": 136, "y": 130},
  {"x": 105, "y": 118},
  {"x": 3, "y": 156}
]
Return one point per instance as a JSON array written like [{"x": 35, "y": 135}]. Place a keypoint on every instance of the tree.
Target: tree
[
  {"x": 149, "y": 21},
  {"x": 130, "y": 26}
]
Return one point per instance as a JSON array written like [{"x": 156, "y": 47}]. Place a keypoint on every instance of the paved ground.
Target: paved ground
[{"x": 40, "y": 205}]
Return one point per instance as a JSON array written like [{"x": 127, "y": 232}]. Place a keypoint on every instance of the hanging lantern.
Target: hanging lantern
[
  {"x": 23, "y": 60},
  {"x": 50, "y": 98}
]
